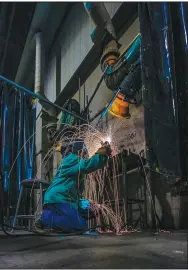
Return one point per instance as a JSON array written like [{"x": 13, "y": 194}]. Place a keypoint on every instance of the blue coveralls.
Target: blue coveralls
[{"x": 63, "y": 207}]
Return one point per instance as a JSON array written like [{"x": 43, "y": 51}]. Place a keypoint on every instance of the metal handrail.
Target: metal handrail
[{"x": 31, "y": 93}]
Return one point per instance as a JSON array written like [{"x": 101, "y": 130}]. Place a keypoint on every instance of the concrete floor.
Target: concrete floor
[{"x": 136, "y": 250}]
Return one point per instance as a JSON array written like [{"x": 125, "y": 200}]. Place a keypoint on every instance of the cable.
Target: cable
[{"x": 95, "y": 91}]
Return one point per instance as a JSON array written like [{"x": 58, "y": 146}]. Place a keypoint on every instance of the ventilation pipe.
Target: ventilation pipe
[
  {"x": 116, "y": 73},
  {"x": 116, "y": 68},
  {"x": 125, "y": 77},
  {"x": 104, "y": 34},
  {"x": 50, "y": 112}
]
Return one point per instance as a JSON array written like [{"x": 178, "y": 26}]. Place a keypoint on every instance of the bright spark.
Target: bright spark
[{"x": 108, "y": 139}]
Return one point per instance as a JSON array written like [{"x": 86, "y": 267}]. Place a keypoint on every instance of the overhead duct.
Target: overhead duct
[
  {"x": 114, "y": 67},
  {"x": 101, "y": 19},
  {"x": 116, "y": 73},
  {"x": 117, "y": 68},
  {"x": 104, "y": 34},
  {"x": 124, "y": 78}
]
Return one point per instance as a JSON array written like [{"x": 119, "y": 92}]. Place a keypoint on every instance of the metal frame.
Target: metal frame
[{"x": 129, "y": 201}]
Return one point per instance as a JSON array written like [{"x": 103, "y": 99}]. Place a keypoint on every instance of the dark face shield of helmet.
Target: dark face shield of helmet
[{"x": 75, "y": 147}]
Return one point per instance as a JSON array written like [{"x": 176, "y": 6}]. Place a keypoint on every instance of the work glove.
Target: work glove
[
  {"x": 85, "y": 210},
  {"x": 104, "y": 149},
  {"x": 84, "y": 204}
]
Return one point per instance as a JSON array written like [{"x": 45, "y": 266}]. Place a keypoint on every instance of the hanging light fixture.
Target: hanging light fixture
[{"x": 120, "y": 107}]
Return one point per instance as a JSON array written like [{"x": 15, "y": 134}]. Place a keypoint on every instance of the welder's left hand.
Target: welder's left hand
[
  {"x": 105, "y": 149},
  {"x": 84, "y": 204},
  {"x": 85, "y": 209}
]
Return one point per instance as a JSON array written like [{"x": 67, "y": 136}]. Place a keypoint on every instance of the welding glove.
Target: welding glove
[
  {"x": 85, "y": 210},
  {"x": 104, "y": 150},
  {"x": 84, "y": 204}
]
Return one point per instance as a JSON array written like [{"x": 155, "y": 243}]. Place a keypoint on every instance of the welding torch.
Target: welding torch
[{"x": 106, "y": 144}]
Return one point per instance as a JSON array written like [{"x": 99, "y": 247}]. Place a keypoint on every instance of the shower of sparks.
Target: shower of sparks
[{"x": 101, "y": 187}]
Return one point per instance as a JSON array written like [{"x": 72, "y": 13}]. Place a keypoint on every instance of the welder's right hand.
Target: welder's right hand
[{"x": 104, "y": 150}]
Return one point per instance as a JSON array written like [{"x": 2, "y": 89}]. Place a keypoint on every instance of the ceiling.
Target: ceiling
[{"x": 15, "y": 20}]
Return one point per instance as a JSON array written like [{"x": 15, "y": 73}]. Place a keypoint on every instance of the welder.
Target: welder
[{"x": 64, "y": 208}]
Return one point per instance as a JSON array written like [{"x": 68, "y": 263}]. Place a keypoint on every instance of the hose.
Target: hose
[{"x": 115, "y": 74}]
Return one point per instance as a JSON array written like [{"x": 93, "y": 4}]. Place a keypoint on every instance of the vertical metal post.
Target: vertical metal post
[
  {"x": 87, "y": 102},
  {"x": 145, "y": 200},
  {"x": 17, "y": 208},
  {"x": 153, "y": 211},
  {"x": 84, "y": 96},
  {"x": 41, "y": 197},
  {"x": 125, "y": 184},
  {"x": 79, "y": 88},
  {"x": 38, "y": 64},
  {"x": 38, "y": 88}
]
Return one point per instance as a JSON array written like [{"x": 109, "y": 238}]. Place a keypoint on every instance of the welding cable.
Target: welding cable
[{"x": 96, "y": 89}]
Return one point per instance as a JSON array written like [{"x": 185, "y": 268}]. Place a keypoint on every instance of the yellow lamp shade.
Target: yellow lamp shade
[{"x": 120, "y": 107}]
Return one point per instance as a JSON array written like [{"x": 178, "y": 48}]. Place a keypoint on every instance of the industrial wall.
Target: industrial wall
[{"x": 72, "y": 46}]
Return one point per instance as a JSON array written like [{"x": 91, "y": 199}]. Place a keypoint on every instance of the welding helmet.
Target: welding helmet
[{"x": 72, "y": 147}]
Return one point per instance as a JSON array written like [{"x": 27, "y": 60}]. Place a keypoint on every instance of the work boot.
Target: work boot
[
  {"x": 92, "y": 233},
  {"x": 38, "y": 227}
]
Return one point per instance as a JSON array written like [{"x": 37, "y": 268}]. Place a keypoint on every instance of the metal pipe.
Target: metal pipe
[
  {"x": 79, "y": 88},
  {"x": 104, "y": 34},
  {"x": 97, "y": 114},
  {"x": 45, "y": 100},
  {"x": 38, "y": 64},
  {"x": 115, "y": 74},
  {"x": 133, "y": 171},
  {"x": 84, "y": 96},
  {"x": 39, "y": 75},
  {"x": 40, "y": 16},
  {"x": 88, "y": 114},
  {"x": 125, "y": 186},
  {"x": 101, "y": 18}
]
